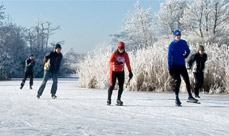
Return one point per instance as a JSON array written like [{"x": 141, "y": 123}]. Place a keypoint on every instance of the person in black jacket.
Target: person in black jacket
[
  {"x": 51, "y": 69},
  {"x": 29, "y": 64},
  {"x": 198, "y": 70}
]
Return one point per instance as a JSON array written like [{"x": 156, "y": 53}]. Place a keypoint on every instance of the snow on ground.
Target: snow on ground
[{"x": 83, "y": 112}]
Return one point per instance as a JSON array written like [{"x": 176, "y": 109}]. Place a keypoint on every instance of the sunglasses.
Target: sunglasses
[{"x": 121, "y": 48}]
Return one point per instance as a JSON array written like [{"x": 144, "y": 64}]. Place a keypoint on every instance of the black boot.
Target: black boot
[
  {"x": 54, "y": 96},
  {"x": 197, "y": 96},
  {"x": 38, "y": 96},
  {"x": 22, "y": 84},
  {"x": 108, "y": 102},
  {"x": 192, "y": 99},
  {"x": 119, "y": 103},
  {"x": 177, "y": 101}
]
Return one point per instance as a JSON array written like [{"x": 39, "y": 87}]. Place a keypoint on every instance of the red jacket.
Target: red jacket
[
  {"x": 117, "y": 63},
  {"x": 118, "y": 60}
]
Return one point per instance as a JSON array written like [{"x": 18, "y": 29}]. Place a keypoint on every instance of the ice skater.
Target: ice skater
[
  {"x": 117, "y": 63},
  {"x": 177, "y": 52},
  {"x": 51, "y": 69},
  {"x": 198, "y": 59},
  {"x": 29, "y": 64}
]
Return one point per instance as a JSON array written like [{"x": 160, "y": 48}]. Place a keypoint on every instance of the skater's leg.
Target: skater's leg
[
  {"x": 54, "y": 84},
  {"x": 43, "y": 84},
  {"x": 185, "y": 76},
  {"x": 176, "y": 80},
  {"x": 175, "y": 73},
  {"x": 121, "y": 79},
  {"x": 31, "y": 80},
  {"x": 197, "y": 84},
  {"x": 199, "y": 78},
  {"x": 112, "y": 85},
  {"x": 24, "y": 79}
]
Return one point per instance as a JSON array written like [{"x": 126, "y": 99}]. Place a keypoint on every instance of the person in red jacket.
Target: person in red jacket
[{"x": 117, "y": 63}]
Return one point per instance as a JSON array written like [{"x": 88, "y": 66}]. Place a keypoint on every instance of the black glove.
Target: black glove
[
  {"x": 130, "y": 74},
  {"x": 171, "y": 71},
  {"x": 118, "y": 63}
]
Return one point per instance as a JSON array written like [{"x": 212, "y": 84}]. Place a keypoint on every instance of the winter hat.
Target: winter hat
[
  {"x": 121, "y": 45},
  {"x": 201, "y": 47},
  {"x": 31, "y": 55},
  {"x": 58, "y": 46},
  {"x": 177, "y": 32}
]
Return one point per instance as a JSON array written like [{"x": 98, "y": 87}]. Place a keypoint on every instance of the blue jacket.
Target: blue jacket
[{"x": 178, "y": 51}]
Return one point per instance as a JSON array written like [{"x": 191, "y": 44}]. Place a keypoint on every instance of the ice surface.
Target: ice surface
[{"x": 84, "y": 112}]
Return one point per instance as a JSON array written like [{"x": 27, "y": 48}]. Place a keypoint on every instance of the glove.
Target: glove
[
  {"x": 171, "y": 71},
  {"x": 130, "y": 74},
  {"x": 118, "y": 63}
]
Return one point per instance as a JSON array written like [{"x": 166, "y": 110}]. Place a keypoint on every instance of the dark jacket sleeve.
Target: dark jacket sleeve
[
  {"x": 26, "y": 63},
  {"x": 205, "y": 58},
  {"x": 48, "y": 56},
  {"x": 191, "y": 60}
]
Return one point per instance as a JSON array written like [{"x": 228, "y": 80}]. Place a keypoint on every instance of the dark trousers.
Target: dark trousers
[
  {"x": 120, "y": 77},
  {"x": 30, "y": 75},
  {"x": 47, "y": 76},
  {"x": 199, "y": 80},
  {"x": 176, "y": 73}
]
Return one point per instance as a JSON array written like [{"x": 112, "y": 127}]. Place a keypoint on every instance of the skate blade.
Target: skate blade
[
  {"x": 178, "y": 105},
  {"x": 194, "y": 102}
]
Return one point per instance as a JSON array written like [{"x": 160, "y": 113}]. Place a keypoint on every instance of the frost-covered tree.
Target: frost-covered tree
[
  {"x": 70, "y": 63},
  {"x": 169, "y": 16},
  {"x": 94, "y": 68},
  {"x": 138, "y": 29},
  {"x": 13, "y": 45},
  {"x": 2, "y": 14},
  {"x": 207, "y": 21},
  {"x": 38, "y": 36}
]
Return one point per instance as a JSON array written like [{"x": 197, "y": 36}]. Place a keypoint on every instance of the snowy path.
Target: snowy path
[{"x": 83, "y": 112}]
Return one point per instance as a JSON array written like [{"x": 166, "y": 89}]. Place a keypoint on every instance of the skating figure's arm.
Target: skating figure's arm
[{"x": 191, "y": 61}]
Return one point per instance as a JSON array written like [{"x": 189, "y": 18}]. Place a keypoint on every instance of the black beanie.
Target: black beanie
[{"x": 58, "y": 46}]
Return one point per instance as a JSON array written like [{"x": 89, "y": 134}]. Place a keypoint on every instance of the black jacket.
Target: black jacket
[
  {"x": 29, "y": 64},
  {"x": 199, "y": 62},
  {"x": 54, "y": 59}
]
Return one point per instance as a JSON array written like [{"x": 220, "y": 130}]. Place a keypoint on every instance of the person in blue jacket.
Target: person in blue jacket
[{"x": 177, "y": 53}]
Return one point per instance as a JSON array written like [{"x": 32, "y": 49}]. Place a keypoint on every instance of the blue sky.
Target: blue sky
[{"x": 84, "y": 23}]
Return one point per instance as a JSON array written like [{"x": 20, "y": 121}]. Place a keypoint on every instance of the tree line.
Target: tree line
[
  {"x": 147, "y": 37},
  {"x": 17, "y": 43},
  {"x": 200, "y": 21}
]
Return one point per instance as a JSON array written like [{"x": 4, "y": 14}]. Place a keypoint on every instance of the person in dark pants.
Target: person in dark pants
[
  {"x": 51, "y": 69},
  {"x": 199, "y": 58},
  {"x": 177, "y": 52},
  {"x": 29, "y": 64},
  {"x": 117, "y": 63}
]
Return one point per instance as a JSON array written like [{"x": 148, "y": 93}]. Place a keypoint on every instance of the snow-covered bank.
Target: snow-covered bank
[{"x": 80, "y": 112}]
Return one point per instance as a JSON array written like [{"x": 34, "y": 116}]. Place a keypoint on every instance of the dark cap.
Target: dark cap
[
  {"x": 58, "y": 46},
  {"x": 177, "y": 33},
  {"x": 201, "y": 48},
  {"x": 31, "y": 55}
]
